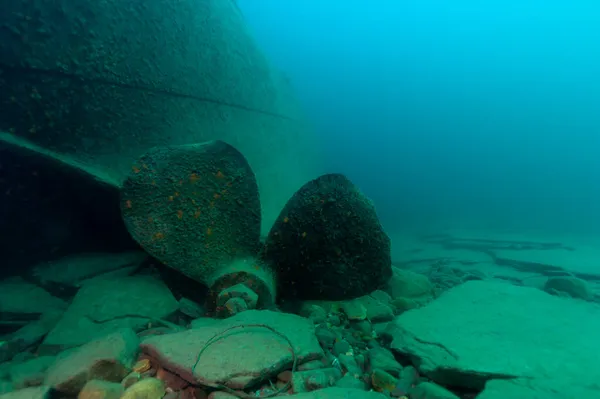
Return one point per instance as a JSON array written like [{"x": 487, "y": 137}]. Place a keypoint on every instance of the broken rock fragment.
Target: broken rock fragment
[{"x": 109, "y": 359}]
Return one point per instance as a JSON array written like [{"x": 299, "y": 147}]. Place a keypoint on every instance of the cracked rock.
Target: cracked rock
[
  {"x": 481, "y": 332},
  {"x": 109, "y": 359},
  {"x": 233, "y": 358}
]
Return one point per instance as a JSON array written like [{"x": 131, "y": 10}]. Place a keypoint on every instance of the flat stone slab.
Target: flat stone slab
[
  {"x": 30, "y": 372},
  {"x": 109, "y": 358},
  {"x": 421, "y": 256},
  {"x": 532, "y": 252},
  {"x": 20, "y": 296},
  {"x": 411, "y": 250},
  {"x": 523, "y": 388},
  {"x": 75, "y": 269},
  {"x": 103, "y": 306},
  {"x": 239, "y": 357},
  {"x": 42, "y": 392},
  {"x": 487, "y": 330},
  {"x": 581, "y": 260}
]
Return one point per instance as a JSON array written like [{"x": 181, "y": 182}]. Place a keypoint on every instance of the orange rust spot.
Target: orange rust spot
[
  {"x": 212, "y": 204},
  {"x": 256, "y": 267},
  {"x": 193, "y": 201},
  {"x": 170, "y": 198},
  {"x": 224, "y": 191},
  {"x": 197, "y": 214},
  {"x": 150, "y": 220},
  {"x": 153, "y": 182},
  {"x": 176, "y": 194},
  {"x": 180, "y": 182},
  {"x": 219, "y": 175},
  {"x": 194, "y": 178},
  {"x": 158, "y": 236},
  {"x": 229, "y": 184},
  {"x": 128, "y": 204},
  {"x": 286, "y": 219},
  {"x": 180, "y": 214},
  {"x": 209, "y": 231},
  {"x": 217, "y": 196},
  {"x": 144, "y": 166},
  {"x": 135, "y": 169}
]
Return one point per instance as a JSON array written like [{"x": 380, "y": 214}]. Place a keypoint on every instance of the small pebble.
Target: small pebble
[
  {"x": 150, "y": 388},
  {"x": 326, "y": 337},
  {"x": 131, "y": 379},
  {"x": 341, "y": 347},
  {"x": 142, "y": 365},
  {"x": 349, "y": 381},
  {"x": 363, "y": 326},
  {"x": 334, "y": 320},
  {"x": 383, "y": 381}
]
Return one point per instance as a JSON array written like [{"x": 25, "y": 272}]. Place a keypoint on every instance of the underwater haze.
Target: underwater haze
[
  {"x": 460, "y": 114},
  {"x": 184, "y": 211}
]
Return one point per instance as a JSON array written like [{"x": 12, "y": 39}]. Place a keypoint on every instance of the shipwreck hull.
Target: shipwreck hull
[{"x": 102, "y": 82}]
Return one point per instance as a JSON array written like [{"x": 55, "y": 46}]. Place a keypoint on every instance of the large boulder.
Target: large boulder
[{"x": 328, "y": 243}]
